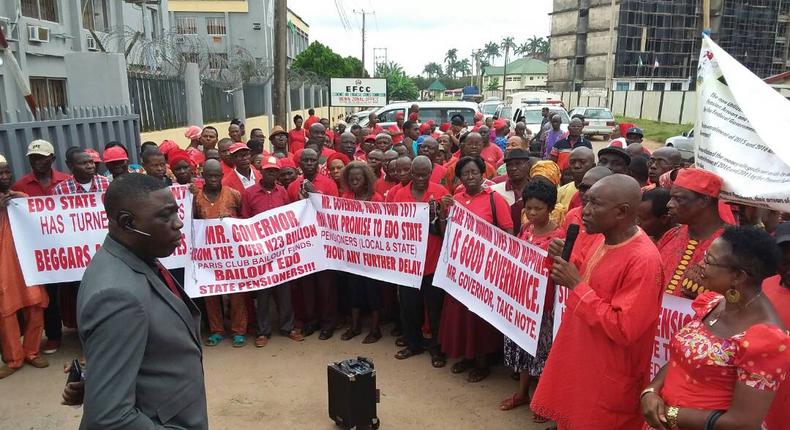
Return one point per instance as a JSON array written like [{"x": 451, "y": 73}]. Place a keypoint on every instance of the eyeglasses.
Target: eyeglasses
[{"x": 706, "y": 259}]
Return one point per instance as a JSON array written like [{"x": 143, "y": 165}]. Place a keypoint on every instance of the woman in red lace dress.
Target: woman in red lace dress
[
  {"x": 539, "y": 197},
  {"x": 726, "y": 365}
]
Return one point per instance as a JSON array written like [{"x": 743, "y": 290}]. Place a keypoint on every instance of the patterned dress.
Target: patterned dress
[
  {"x": 682, "y": 257},
  {"x": 515, "y": 357},
  {"x": 703, "y": 368}
]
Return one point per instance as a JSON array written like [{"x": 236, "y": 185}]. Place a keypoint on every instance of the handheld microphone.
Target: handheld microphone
[
  {"x": 138, "y": 231},
  {"x": 570, "y": 240}
]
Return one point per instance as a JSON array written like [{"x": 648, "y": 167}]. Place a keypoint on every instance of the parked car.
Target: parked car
[
  {"x": 533, "y": 115},
  {"x": 489, "y": 107},
  {"x": 355, "y": 117},
  {"x": 683, "y": 143},
  {"x": 439, "y": 112},
  {"x": 598, "y": 121}
]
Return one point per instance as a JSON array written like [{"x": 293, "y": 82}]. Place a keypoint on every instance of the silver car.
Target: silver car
[
  {"x": 597, "y": 121},
  {"x": 683, "y": 143}
]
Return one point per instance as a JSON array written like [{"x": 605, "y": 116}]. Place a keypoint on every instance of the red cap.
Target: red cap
[
  {"x": 398, "y": 115},
  {"x": 337, "y": 156},
  {"x": 478, "y": 116},
  {"x": 286, "y": 163},
  {"x": 94, "y": 155},
  {"x": 370, "y": 138},
  {"x": 238, "y": 146},
  {"x": 444, "y": 127},
  {"x": 700, "y": 181},
  {"x": 115, "y": 153},
  {"x": 193, "y": 132},
  {"x": 166, "y": 146},
  {"x": 413, "y": 117},
  {"x": 500, "y": 123},
  {"x": 178, "y": 155},
  {"x": 425, "y": 128},
  {"x": 270, "y": 162}
]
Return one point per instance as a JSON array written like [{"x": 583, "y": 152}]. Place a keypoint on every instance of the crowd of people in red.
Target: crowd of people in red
[{"x": 649, "y": 225}]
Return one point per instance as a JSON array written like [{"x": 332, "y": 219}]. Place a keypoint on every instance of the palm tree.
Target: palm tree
[
  {"x": 491, "y": 51},
  {"x": 522, "y": 49},
  {"x": 533, "y": 43},
  {"x": 450, "y": 58},
  {"x": 433, "y": 70},
  {"x": 463, "y": 66},
  {"x": 507, "y": 45},
  {"x": 542, "y": 49}
]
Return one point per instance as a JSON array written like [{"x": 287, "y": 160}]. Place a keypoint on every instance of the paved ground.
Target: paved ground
[{"x": 283, "y": 386}]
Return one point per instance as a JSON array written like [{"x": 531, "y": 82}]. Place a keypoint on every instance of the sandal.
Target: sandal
[
  {"x": 401, "y": 341},
  {"x": 477, "y": 375},
  {"x": 239, "y": 340},
  {"x": 438, "y": 361},
  {"x": 513, "y": 402},
  {"x": 372, "y": 337},
  {"x": 539, "y": 419},
  {"x": 406, "y": 353},
  {"x": 350, "y": 334},
  {"x": 214, "y": 340},
  {"x": 462, "y": 366}
]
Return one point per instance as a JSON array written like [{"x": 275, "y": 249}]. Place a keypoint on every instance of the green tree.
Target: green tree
[
  {"x": 451, "y": 58},
  {"x": 325, "y": 63},
  {"x": 507, "y": 45},
  {"x": 542, "y": 49},
  {"x": 493, "y": 84},
  {"x": 463, "y": 67},
  {"x": 433, "y": 70},
  {"x": 491, "y": 51},
  {"x": 399, "y": 86}
]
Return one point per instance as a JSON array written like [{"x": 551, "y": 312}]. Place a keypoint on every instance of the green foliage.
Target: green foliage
[
  {"x": 399, "y": 86},
  {"x": 325, "y": 63},
  {"x": 433, "y": 70},
  {"x": 493, "y": 84},
  {"x": 656, "y": 131}
]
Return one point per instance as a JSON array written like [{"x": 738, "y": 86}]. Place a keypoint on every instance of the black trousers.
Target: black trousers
[
  {"x": 413, "y": 303},
  {"x": 53, "y": 327}
]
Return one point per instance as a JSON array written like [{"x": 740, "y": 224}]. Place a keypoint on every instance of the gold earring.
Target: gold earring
[{"x": 732, "y": 296}]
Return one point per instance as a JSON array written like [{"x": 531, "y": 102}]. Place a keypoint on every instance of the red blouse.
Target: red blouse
[
  {"x": 703, "y": 368},
  {"x": 480, "y": 205},
  {"x": 682, "y": 258}
]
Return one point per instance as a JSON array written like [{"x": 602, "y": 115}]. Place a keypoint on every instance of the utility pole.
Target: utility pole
[
  {"x": 280, "y": 103},
  {"x": 378, "y": 57},
  {"x": 363, "y": 12},
  {"x": 706, "y": 14}
]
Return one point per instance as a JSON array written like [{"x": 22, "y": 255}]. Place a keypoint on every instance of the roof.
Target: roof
[
  {"x": 436, "y": 85},
  {"x": 778, "y": 78},
  {"x": 522, "y": 66}
]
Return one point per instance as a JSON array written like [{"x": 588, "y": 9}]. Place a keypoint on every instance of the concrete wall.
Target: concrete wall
[
  {"x": 599, "y": 18},
  {"x": 633, "y": 104},
  {"x": 90, "y": 70},
  {"x": 651, "y": 105},
  {"x": 671, "y": 106},
  {"x": 565, "y": 4},
  {"x": 618, "y": 102},
  {"x": 564, "y": 22},
  {"x": 563, "y": 46}
]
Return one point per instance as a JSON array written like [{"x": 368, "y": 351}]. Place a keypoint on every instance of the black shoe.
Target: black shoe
[
  {"x": 396, "y": 332},
  {"x": 326, "y": 334},
  {"x": 308, "y": 330}
]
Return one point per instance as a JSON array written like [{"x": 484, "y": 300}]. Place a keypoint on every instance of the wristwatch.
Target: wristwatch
[{"x": 672, "y": 417}]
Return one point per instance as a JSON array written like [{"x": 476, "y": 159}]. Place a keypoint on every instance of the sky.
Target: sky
[{"x": 417, "y": 32}]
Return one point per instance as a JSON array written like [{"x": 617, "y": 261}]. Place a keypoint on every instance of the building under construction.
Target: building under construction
[{"x": 655, "y": 44}]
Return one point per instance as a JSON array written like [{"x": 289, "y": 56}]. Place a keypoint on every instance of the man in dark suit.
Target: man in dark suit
[{"x": 139, "y": 330}]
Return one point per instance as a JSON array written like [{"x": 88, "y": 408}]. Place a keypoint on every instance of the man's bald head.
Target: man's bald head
[
  {"x": 212, "y": 166},
  {"x": 670, "y": 153},
  {"x": 348, "y": 136},
  {"x": 612, "y": 205},
  {"x": 663, "y": 160},
  {"x": 582, "y": 153},
  {"x": 580, "y": 161},
  {"x": 421, "y": 161},
  {"x": 597, "y": 173}
]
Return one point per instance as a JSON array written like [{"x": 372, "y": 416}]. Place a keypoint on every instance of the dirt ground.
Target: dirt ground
[{"x": 283, "y": 386}]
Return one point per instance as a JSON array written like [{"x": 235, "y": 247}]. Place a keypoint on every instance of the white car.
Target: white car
[
  {"x": 533, "y": 116},
  {"x": 356, "y": 117},
  {"x": 683, "y": 143},
  {"x": 439, "y": 112},
  {"x": 489, "y": 107},
  {"x": 598, "y": 121}
]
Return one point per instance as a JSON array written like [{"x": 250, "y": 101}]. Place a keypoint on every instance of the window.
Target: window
[
  {"x": 640, "y": 86},
  {"x": 217, "y": 61},
  {"x": 215, "y": 25},
  {"x": 389, "y": 116},
  {"x": 190, "y": 57},
  {"x": 513, "y": 79},
  {"x": 622, "y": 86},
  {"x": 49, "y": 92},
  {"x": 94, "y": 15},
  {"x": 531, "y": 78},
  {"x": 676, "y": 86},
  {"x": 46, "y": 10},
  {"x": 186, "y": 25},
  {"x": 154, "y": 23},
  {"x": 658, "y": 86},
  {"x": 598, "y": 114}
]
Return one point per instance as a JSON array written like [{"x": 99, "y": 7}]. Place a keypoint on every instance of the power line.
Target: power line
[
  {"x": 364, "y": 13},
  {"x": 342, "y": 14}
]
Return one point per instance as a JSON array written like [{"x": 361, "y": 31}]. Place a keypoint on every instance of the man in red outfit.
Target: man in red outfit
[{"x": 599, "y": 361}]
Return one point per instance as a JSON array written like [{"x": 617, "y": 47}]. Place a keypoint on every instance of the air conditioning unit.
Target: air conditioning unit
[
  {"x": 91, "y": 43},
  {"x": 38, "y": 34}
]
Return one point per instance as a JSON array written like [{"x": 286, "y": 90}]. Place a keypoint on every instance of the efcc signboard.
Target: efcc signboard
[{"x": 362, "y": 92}]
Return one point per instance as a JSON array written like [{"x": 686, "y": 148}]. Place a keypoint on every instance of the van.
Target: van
[
  {"x": 532, "y": 115},
  {"x": 438, "y": 112}
]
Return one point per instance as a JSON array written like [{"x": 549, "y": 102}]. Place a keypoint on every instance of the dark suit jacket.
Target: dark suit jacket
[{"x": 144, "y": 362}]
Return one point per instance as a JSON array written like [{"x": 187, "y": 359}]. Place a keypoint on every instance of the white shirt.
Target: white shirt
[{"x": 245, "y": 181}]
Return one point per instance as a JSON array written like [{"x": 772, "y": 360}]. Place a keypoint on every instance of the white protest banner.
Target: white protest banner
[
  {"x": 675, "y": 313},
  {"x": 497, "y": 276},
  {"x": 384, "y": 241},
  {"x": 357, "y": 92},
  {"x": 56, "y": 236},
  {"x": 232, "y": 255},
  {"x": 560, "y": 299},
  {"x": 741, "y": 131}
]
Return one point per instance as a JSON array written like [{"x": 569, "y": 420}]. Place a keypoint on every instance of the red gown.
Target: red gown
[
  {"x": 600, "y": 359},
  {"x": 461, "y": 332},
  {"x": 682, "y": 258},
  {"x": 703, "y": 368},
  {"x": 779, "y": 295}
]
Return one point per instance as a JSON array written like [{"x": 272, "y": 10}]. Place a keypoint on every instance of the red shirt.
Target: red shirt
[
  {"x": 231, "y": 179},
  {"x": 225, "y": 168},
  {"x": 480, "y": 205},
  {"x": 779, "y": 414},
  {"x": 438, "y": 173},
  {"x": 256, "y": 199},
  {"x": 492, "y": 154},
  {"x": 383, "y": 186},
  {"x": 296, "y": 140},
  {"x": 29, "y": 185},
  {"x": 390, "y": 197},
  {"x": 323, "y": 184},
  {"x": 312, "y": 119},
  {"x": 403, "y": 194},
  {"x": 377, "y": 129},
  {"x": 376, "y": 197}
]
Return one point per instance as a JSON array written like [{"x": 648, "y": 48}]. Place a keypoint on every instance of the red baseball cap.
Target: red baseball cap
[
  {"x": 270, "y": 162},
  {"x": 425, "y": 128},
  {"x": 238, "y": 146},
  {"x": 115, "y": 153},
  {"x": 94, "y": 155},
  {"x": 286, "y": 163},
  {"x": 166, "y": 146},
  {"x": 700, "y": 181},
  {"x": 370, "y": 137}
]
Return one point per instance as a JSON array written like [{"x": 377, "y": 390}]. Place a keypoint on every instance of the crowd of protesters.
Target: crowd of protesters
[{"x": 650, "y": 224}]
